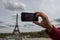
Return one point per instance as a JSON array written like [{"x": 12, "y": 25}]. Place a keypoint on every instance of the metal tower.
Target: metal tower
[{"x": 16, "y": 30}]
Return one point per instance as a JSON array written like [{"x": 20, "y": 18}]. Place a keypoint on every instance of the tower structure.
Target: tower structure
[
  {"x": 16, "y": 35},
  {"x": 16, "y": 31}
]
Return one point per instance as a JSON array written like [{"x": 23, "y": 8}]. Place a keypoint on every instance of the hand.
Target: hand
[{"x": 45, "y": 23}]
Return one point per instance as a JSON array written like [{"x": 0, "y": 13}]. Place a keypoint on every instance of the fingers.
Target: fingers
[
  {"x": 37, "y": 14},
  {"x": 36, "y": 22},
  {"x": 41, "y": 14}
]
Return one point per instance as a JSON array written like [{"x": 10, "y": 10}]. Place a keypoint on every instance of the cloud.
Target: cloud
[
  {"x": 58, "y": 25},
  {"x": 13, "y": 16},
  {"x": 1, "y": 22},
  {"x": 1, "y": 26},
  {"x": 51, "y": 8},
  {"x": 58, "y": 20},
  {"x": 10, "y": 25},
  {"x": 14, "y": 5}
]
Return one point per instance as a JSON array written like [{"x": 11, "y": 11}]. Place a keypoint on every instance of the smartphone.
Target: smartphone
[{"x": 28, "y": 17}]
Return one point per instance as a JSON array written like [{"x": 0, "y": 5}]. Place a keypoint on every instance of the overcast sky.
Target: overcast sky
[{"x": 8, "y": 9}]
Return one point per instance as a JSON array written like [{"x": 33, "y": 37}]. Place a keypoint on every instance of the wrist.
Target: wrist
[{"x": 50, "y": 28}]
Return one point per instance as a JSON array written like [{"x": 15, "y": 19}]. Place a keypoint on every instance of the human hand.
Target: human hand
[{"x": 45, "y": 23}]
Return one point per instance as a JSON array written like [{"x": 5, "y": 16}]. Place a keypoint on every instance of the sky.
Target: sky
[{"x": 9, "y": 9}]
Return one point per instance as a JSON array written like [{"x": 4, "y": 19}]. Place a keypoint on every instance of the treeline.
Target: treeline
[
  {"x": 28, "y": 34},
  {"x": 3, "y": 35},
  {"x": 36, "y": 34}
]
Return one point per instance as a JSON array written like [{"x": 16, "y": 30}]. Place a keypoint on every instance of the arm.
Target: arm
[{"x": 53, "y": 32}]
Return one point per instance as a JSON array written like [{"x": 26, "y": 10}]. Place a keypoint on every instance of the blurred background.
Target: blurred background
[{"x": 9, "y": 9}]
